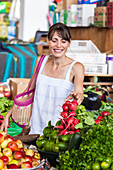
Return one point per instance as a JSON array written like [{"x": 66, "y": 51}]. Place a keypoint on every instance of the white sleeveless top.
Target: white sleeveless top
[{"x": 49, "y": 96}]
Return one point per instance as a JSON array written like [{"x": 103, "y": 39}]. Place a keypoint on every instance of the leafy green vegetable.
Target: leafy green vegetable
[
  {"x": 94, "y": 147},
  {"x": 5, "y": 104}
]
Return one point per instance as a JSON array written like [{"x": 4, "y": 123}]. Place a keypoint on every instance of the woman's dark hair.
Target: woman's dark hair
[{"x": 62, "y": 30}]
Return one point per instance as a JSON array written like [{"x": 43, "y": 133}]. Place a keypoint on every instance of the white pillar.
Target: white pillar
[{"x": 33, "y": 16}]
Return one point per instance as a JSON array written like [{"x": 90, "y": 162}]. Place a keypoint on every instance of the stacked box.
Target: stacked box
[
  {"x": 89, "y": 55},
  {"x": 110, "y": 14},
  {"x": 84, "y": 12},
  {"x": 100, "y": 18}
]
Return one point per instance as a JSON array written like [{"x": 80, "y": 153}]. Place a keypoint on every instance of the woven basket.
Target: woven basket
[{"x": 22, "y": 108}]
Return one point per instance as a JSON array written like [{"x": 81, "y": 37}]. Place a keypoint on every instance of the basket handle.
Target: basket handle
[{"x": 36, "y": 71}]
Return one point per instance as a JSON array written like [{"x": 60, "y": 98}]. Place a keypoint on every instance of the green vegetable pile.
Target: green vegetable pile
[
  {"x": 5, "y": 105},
  {"x": 96, "y": 147},
  {"x": 51, "y": 141}
]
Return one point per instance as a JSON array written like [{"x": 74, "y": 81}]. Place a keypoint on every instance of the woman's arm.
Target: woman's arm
[
  {"x": 78, "y": 70},
  {"x": 6, "y": 120}
]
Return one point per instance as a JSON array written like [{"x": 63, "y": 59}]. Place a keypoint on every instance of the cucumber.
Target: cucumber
[
  {"x": 63, "y": 146},
  {"x": 65, "y": 138},
  {"x": 74, "y": 141}
]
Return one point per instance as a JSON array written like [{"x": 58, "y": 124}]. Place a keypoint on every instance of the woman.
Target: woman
[{"x": 60, "y": 78}]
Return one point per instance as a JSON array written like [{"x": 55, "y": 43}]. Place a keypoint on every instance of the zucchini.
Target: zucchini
[{"x": 74, "y": 141}]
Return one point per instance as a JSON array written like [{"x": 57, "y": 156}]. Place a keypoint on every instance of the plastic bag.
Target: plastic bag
[{"x": 14, "y": 129}]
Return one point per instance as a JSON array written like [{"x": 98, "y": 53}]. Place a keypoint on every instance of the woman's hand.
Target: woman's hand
[
  {"x": 5, "y": 123},
  {"x": 76, "y": 96}
]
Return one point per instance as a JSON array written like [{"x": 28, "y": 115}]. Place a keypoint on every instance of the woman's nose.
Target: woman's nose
[{"x": 58, "y": 43}]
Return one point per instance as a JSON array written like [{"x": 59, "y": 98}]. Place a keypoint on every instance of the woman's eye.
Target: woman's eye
[
  {"x": 54, "y": 41},
  {"x": 63, "y": 41}
]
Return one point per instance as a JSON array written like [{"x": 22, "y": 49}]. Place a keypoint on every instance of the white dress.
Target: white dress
[{"x": 49, "y": 96}]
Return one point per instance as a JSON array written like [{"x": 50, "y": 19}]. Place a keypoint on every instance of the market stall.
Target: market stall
[
  {"x": 82, "y": 131},
  {"x": 82, "y": 136}
]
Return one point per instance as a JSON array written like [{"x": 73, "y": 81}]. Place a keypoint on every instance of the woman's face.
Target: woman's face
[{"x": 58, "y": 46}]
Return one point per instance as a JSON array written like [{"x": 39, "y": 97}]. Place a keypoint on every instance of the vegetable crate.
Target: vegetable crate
[
  {"x": 110, "y": 14},
  {"x": 83, "y": 46},
  {"x": 86, "y": 52},
  {"x": 95, "y": 69},
  {"x": 89, "y": 58}
]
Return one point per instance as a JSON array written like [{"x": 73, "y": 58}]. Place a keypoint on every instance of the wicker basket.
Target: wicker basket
[{"x": 22, "y": 108}]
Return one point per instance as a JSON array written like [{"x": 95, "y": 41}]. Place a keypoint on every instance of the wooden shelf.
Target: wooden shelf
[
  {"x": 102, "y": 37},
  {"x": 99, "y": 75},
  {"x": 98, "y": 83}
]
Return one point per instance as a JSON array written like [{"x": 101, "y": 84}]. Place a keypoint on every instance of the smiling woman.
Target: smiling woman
[{"x": 60, "y": 79}]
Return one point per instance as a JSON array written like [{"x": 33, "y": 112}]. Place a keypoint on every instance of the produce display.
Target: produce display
[
  {"x": 14, "y": 156},
  {"x": 96, "y": 149},
  {"x": 4, "y": 91},
  {"x": 56, "y": 138},
  {"x": 82, "y": 138},
  {"x": 5, "y": 105}
]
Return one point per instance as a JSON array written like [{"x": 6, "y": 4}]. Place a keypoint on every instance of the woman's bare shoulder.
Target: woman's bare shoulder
[{"x": 78, "y": 66}]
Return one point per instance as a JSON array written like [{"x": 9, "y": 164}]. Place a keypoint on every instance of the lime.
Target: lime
[
  {"x": 55, "y": 148},
  {"x": 96, "y": 166},
  {"x": 105, "y": 165},
  {"x": 109, "y": 160}
]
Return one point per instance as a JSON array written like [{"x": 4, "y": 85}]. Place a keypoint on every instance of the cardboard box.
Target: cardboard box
[
  {"x": 84, "y": 12},
  {"x": 100, "y": 10},
  {"x": 100, "y": 21},
  {"x": 100, "y": 18},
  {"x": 69, "y": 2},
  {"x": 17, "y": 85}
]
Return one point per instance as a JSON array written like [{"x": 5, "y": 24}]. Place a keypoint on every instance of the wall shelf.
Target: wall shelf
[{"x": 102, "y": 37}]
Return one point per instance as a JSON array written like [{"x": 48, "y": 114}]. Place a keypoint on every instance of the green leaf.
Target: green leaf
[
  {"x": 79, "y": 126},
  {"x": 89, "y": 120}
]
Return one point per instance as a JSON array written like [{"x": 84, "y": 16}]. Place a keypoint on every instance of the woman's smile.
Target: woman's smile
[
  {"x": 58, "y": 50},
  {"x": 58, "y": 46}
]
